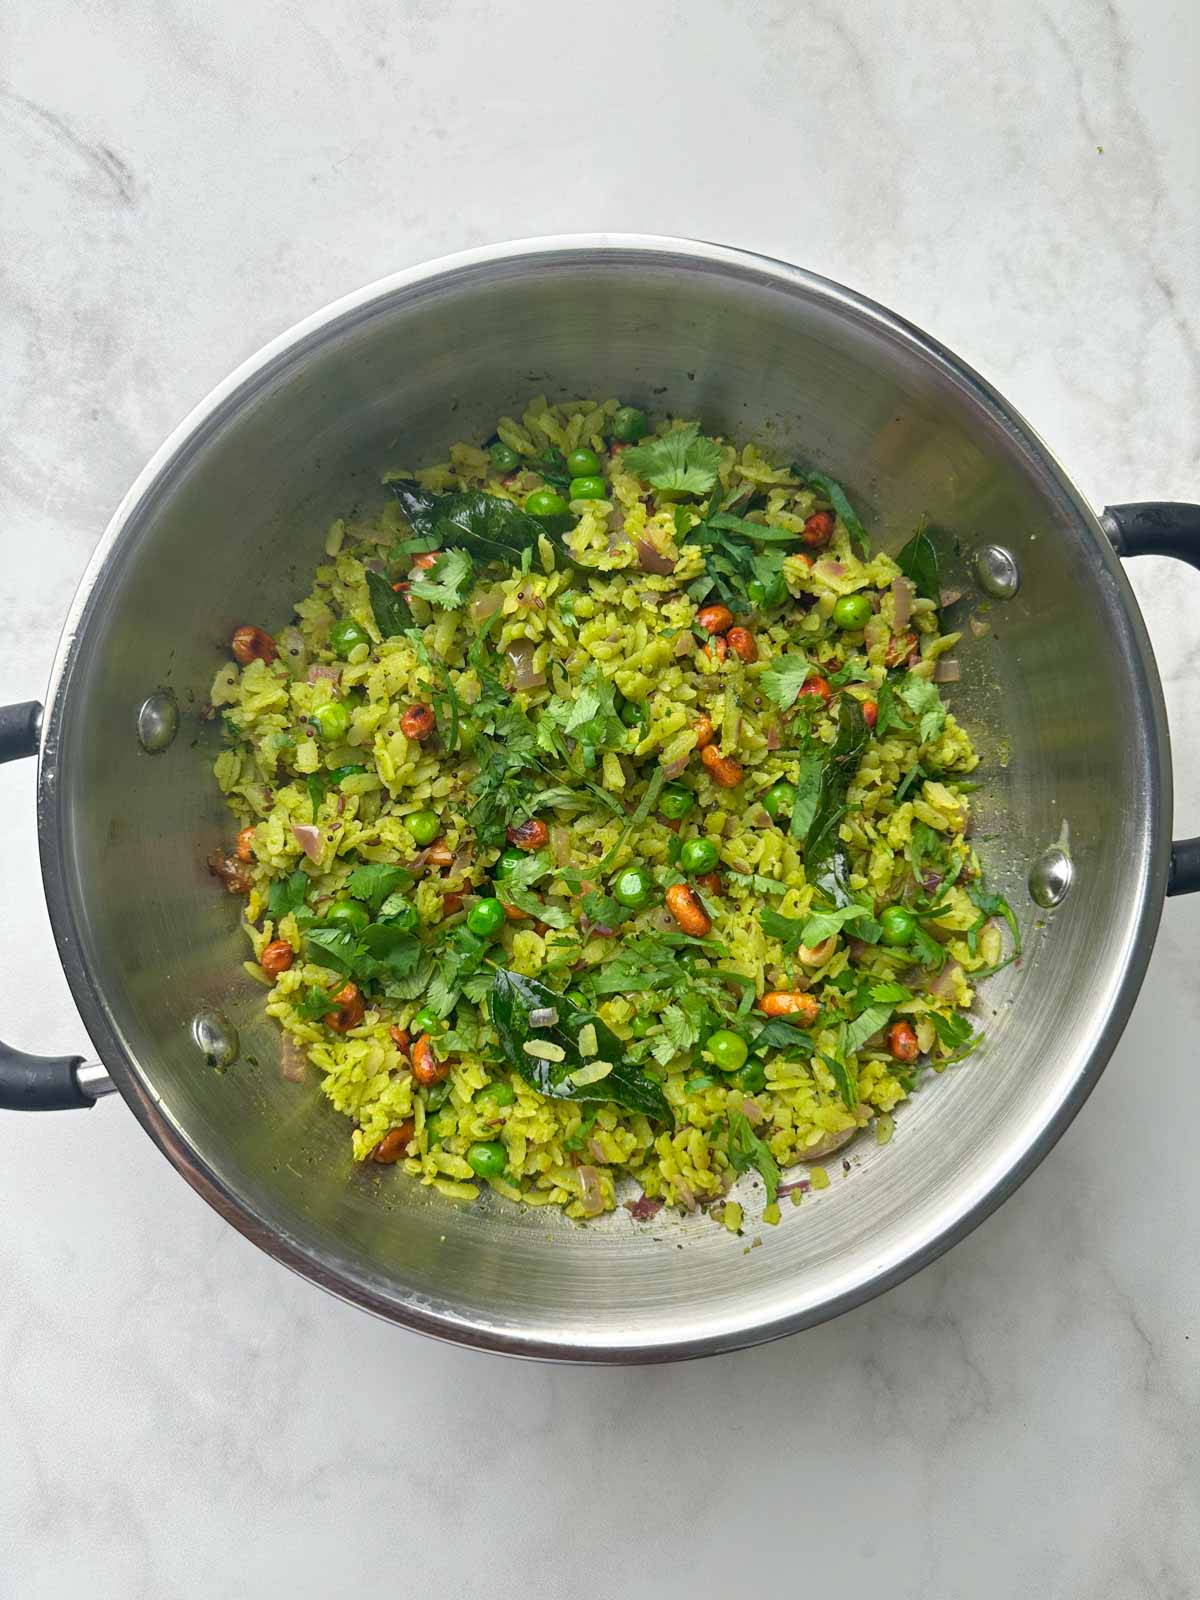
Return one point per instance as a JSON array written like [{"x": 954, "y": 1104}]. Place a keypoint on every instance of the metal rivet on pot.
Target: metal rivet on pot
[
  {"x": 1050, "y": 877},
  {"x": 217, "y": 1038},
  {"x": 996, "y": 572},
  {"x": 157, "y": 721}
]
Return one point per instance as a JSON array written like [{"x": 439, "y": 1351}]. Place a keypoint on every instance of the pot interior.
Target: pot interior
[{"x": 1060, "y": 699}]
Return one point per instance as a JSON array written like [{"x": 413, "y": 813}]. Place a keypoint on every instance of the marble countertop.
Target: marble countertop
[{"x": 181, "y": 1417}]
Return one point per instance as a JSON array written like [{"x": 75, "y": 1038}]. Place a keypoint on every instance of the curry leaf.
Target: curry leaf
[
  {"x": 513, "y": 1000},
  {"x": 853, "y": 736},
  {"x": 390, "y": 609},
  {"x": 784, "y": 679},
  {"x": 808, "y": 792},
  {"x": 821, "y": 924},
  {"x": 918, "y": 561},
  {"x": 844, "y": 1078}
]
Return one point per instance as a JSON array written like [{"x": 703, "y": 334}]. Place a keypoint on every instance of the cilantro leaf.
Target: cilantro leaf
[
  {"x": 287, "y": 895},
  {"x": 843, "y": 1077},
  {"x": 995, "y": 905},
  {"x": 921, "y": 697},
  {"x": 837, "y": 498},
  {"x": 449, "y": 581},
  {"x": 918, "y": 561},
  {"x": 788, "y": 930},
  {"x": 784, "y": 679},
  {"x": 821, "y": 924},
  {"x": 927, "y": 951},
  {"x": 895, "y": 993},
  {"x": 864, "y": 1025},
  {"x": 375, "y": 882},
  {"x": 756, "y": 883},
  {"x": 886, "y": 715},
  {"x": 745, "y": 1150},
  {"x": 681, "y": 460}
]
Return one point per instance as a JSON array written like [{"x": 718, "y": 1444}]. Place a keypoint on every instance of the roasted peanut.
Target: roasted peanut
[
  {"x": 244, "y": 849},
  {"x": 231, "y": 872},
  {"x": 870, "y": 713},
  {"x": 417, "y": 722},
  {"x": 426, "y": 560},
  {"x": 400, "y": 1038},
  {"x": 711, "y": 883},
  {"x": 902, "y": 1041},
  {"x": 716, "y": 649},
  {"x": 790, "y": 1003},
  {"x": 514, "y": 913},
  {"x": 276, "y": 957},
  {"x": 426, "y": 1067},
  {"x": 348, "y": 1009},
  {"x": 684, "y": 905},
  {"x": 452, "y": 904},
  {"x": 715, "y": 619},
  {"x": 722, "y": 769},
  {"x": 439, "y": 854},
  {"x": 703, "y": 730},
  {"x": 817, "y": 688},
  {"x": 531, "y": 835},
  {"x": 394, "y": 1143},
  {"x": 818, "y": 530},
  {"x": 899, "y": 648},
  {"x": 741, "y": 642},
  {"x": 252, "y": 644}
]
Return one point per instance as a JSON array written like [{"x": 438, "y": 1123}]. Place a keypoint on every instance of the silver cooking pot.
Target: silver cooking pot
[{"x": 224, "y": 526}]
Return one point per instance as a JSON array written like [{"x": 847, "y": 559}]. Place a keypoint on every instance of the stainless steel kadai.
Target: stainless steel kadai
[{"x": 222, "y": 527}]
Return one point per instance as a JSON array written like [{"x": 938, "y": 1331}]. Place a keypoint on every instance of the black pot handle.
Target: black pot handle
[
  {"x": 1162, "y": 528},
  {"x": 19, "y": 729},
  {"x": 41, "y": 1083}
]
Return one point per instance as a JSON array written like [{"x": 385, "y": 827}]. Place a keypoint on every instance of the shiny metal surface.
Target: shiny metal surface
[
  {"x": 93, "y": 1080},
  {"x": 223, "y": 528}
]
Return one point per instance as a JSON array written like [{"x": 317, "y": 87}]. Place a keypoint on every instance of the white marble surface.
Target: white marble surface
[{"x": 179, "y": 1416}]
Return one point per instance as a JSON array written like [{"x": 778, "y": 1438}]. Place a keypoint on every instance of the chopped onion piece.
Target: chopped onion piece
[
  {"x": 520, "y": 659},
  {"x": 308, "y": 838},
  {"x": 902, "y": 600},
  {"x": 947, "y": 670},
  {"x": 652, "y": 560},
  {"x": 293, "y": 1059},
  {"x": 591, "y": 1191},
  {"x": 948, "y": 597},
  {"x": 979, "y": 627},
  {"x": 543, "y": 1017},
  {"x": 484, "y": 606}
]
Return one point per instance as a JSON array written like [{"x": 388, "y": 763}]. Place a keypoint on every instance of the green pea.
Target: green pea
[
  {"x": 779, "y": 800},
  {"x": 852, "y": 611},
  {"x": 699, "y": 855},
  {"x": 634, "y": 714},
  {"x": 496, "y": 1094},
  {"x": 629, "y": 425},
  {"x": 727, "y": 1050},
  {"x": 347, "y": 635},
  {"x": 424, "y": 826},
  {"x": 442, "y": 1125},
  {"x": 508, "y": 860},
  {"x": 488, "y": 1160},
  {"x": 402, "y": 916},
  {"x": 545, "y": 503},
  {"x": 348, "y": 914},
  {"x": 675, "y": 802},
  {"x": 756, "y": 594},
  {"x": 504, "y": 457},
  {"x": 583, "y": 464},
  {"x": 898, "y": 926},
  {"x": 486, "y": 918},
  {"x": 634, "y": 888},
  {"x": 332, "y": 721},
  {"x": 427, "y": 1021},
  {"x": 588, "y": 489},
  {"x": 750, "y": 1079}
]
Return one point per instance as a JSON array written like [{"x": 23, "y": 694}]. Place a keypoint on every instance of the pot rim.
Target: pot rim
[{"x": 970, "y": 1207}]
